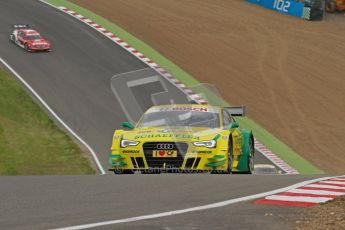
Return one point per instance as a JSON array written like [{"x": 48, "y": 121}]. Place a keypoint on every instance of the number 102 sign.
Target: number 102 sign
[
  {"x": 282, "y": 5},
  {"x": 290, "y": 7}
]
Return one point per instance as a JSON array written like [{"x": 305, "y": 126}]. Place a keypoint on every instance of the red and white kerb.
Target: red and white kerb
[{"x": 308, "y": 195}]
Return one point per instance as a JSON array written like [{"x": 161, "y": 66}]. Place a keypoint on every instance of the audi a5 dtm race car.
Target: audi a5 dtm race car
[
  {"x": 184, "y": 138},
  {"x": 29, "y": 39}
]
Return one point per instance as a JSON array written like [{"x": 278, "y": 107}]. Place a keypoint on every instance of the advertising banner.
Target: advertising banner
[{"x": 290, "y": 7}]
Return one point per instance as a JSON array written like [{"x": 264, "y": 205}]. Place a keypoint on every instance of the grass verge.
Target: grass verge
[
  {"x": 30, "y": 142},
  {"x": 279, "y": 148}
]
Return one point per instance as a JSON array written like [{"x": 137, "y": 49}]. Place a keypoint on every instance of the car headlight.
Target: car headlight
[
  {"x": 125, "y": 143},
  {"x": 207, "y": 144}
]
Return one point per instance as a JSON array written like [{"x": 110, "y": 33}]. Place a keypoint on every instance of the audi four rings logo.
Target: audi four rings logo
[{"x": 165, "y": 146}]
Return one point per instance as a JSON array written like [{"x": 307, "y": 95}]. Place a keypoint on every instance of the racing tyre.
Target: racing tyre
[
  {"x": 251, "y": 157},
  {"x": 12, "y": 38},
  {"x": 230, "y": 152},
  {"x": 123, "y": 171}
]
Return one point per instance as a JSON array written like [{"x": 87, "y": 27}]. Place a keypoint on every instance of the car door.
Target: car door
[
  {"x": 20, "y": 36},
  {"x": 235, "y": 133}
]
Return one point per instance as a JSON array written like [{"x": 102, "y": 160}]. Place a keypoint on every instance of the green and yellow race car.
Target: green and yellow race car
[{"x": 184, "y": 138}]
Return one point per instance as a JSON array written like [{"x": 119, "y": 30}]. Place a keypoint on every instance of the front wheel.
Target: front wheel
[
  {"x": 12, "y": 38},
  {"x": 26, "y": 47},
  {"x": 230, "y": 153}
]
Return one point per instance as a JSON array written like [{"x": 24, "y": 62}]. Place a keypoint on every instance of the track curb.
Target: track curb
[{"x": 309, "y": 194}]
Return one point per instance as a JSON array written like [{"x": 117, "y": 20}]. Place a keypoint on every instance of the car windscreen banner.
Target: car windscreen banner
[{"x": 136, "y": 91}]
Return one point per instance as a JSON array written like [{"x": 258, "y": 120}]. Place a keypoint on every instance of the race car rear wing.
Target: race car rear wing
[
  {"x": 20, "y": 26},
  {"x": 236, "y": 111}
]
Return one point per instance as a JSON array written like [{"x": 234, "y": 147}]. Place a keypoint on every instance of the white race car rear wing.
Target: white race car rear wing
[
  {"x": 20, "y": 26},
  {"x": 236, "y": 111}
]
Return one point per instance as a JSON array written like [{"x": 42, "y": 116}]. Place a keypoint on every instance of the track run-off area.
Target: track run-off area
[{"x": 73, "y": 83}]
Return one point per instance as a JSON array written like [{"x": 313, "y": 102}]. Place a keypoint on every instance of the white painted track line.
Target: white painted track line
[
  {"x": 316, "y": 192},
  {"x": 338, "y": 179},
  {"x": 193, "y": 209},
  {"x": 299, "y": 198},
  {"x": 39, "y": 98},
  {"x": 336, "y": 182},
  {"x": 323, "y": 186}
]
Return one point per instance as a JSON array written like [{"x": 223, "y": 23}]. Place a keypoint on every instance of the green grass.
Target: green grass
[
  {"x": 278, "y": 147},
  {"x": 30, "y": 142}
]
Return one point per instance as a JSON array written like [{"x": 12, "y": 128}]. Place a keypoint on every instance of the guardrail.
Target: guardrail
[{"x": 306, "y": 9}]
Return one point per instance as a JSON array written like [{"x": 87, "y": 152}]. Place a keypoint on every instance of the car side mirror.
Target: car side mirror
[
  {"x": 127, "y": 125},
  {"x": 234, "y": 125}
]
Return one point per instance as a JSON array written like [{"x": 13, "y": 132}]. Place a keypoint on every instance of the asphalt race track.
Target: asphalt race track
[
  {"x": 75, "y": 80},
  {"x": 37, "y": 202}
]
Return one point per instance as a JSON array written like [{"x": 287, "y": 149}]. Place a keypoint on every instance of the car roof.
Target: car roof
[
  {"x": 30, "y": 32},
  {"x": 185, "y": 107}
]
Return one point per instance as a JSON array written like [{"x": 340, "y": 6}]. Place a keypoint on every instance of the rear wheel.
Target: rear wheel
[
  {"x": 251, "y": 156},
  {"x": 230, "y": 153},
  {"x": 12, "y": 38}
]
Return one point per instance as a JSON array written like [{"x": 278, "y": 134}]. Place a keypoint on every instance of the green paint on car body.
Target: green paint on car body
[
  {"x": 118, "y": 164},
  {"x": 216, "y": 137},
  {"x": 215, "y": 163},
  {"x": 116, "y": 160},
  {"x": 216, "y": 157},
  {"x": 243, "y": 159},
  {"x": 116, "y": 156}
]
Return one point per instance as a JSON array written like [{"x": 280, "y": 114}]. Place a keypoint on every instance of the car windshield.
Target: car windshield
[
  {"x": 34, "y": 37},
  {"x": 180, "y": 119}
]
